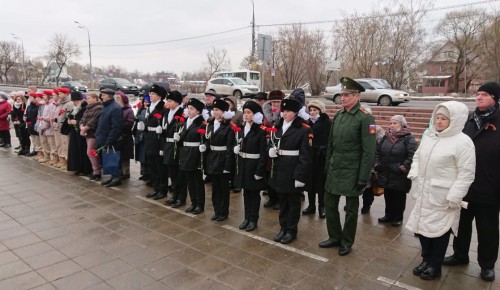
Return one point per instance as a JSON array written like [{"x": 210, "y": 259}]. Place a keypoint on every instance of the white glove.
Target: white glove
[
  {"x": 257, "y": 177},
  {"x": 177, "y": 137},
  {"x": 299, "y": 184},
  {"x": 203, "y": 148},
  {"x": 161, "y": 152},
  {"x": 273, "y": 152},
  {"x": 225, "y": 171},
  {"x": 453, "y": 206},
  {"x": 159, "y": 129},
  {"x": 236, "y": 149},
  {"x": 141, "y": 126}
]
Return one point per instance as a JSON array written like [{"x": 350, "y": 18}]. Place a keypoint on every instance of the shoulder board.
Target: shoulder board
[
  {"x": 306, "y": 125},
  {"x": 364, "y": 110}
]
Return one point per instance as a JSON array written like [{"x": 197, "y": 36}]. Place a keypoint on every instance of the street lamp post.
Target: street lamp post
[
  {"x": 253, "y": 28},
  {"x": 90, "y": 53},
  {"x": 22, "y": 48}
]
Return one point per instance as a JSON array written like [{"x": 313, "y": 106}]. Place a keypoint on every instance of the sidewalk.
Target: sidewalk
[{"x": 59, "y": 231}]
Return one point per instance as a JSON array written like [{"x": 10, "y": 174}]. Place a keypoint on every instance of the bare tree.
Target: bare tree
[
  {"x": 62, "y": 49},
  {"x": 10, "y": 53},
  {"x": 217, "y": 60},
  {"x": 491, "y": 47},
  {"x": 316, "y": 60}
]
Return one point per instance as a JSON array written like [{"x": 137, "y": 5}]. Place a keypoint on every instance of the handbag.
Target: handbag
[
  {"x": 111, "y": 162},
  {"x": 376, "y": 189},
  {"x": 65, "y": 127}
]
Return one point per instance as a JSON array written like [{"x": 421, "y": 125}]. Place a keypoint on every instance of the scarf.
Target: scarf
[
  {"x": 480, "y": 117},
  {"x": 394, "y": 136}
]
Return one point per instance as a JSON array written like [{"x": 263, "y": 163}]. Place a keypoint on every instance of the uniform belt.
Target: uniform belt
[
  {"x": 249, "y": 155},
  {"x": 152, "y": 129},
  {"x": 218, "y": 148},
  {"x": 288, "y": 152},
  {"x": 170, "y": 140},
  {"x": 191, "y": 144}
]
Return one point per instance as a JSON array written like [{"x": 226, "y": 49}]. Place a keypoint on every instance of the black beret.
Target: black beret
[
  {"x": 290, "y": 105},
  {"x": 221, "y": 105},
  {"x": 161, "y": 91},
  {"x": 76, "y": 96},
  {"x": 252, "y": 106},
  {"x": 108, "y": 91},
  {"x": 175, "y": 96},
  {"x": 197, "y": 104}
]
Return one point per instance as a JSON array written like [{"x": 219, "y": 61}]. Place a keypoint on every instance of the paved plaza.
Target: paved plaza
[{"x": 60, "y": 231}]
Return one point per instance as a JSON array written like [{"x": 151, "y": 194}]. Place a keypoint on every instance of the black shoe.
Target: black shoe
[
  {"x": 244, "y": 224},
  {"x": 453, "y": 261},
  {"x": 344, "y": 251},
  {"x": 251, "y": 226},
  {"x": 288, "y": 238},
  {"x": 279, "y": 236},
  {"x": 270, "y": 203},
  {"x": 365, "y": 209},
  {"x": 115, "y": 181},
  {"x": 160, "y": 195},
  {"x": 328, "y": 244},
  {"x": 397, "y": 223},
  {"x": 221, "y": 218},
  {"x": 125, "y": 176},
  {"x": 420, "y": 268},
  {"x": 32, "y": 153},
  {"x": 170, "y": 201},
  {"x": 197, "y": 210},
  {"x": 95, "y": 177},
  {"x": 144, "y": 177},
  {"x": 430, "y": 273},
  {"x": 78, "y": 173},
  {"x": 488, "y": 274},
  {"x": 214, "y": 217},
  {"x": 322, "y": 213},
  {"x": 152, "y": 194},
  {"x": 384, "y": 219},
  {"x": 106, "y": 181},
  {"x": 190, "y": 208},
  {"x": 276, "y": 206},
  {"x": 18, "y": 147},
  {"x": 309, "y": 210},
  {"x": 236, "y": 190},
  {"x": 178, "y": 203},
  {"x": 22, "y": 152}
]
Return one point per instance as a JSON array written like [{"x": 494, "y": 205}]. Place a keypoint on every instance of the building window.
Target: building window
[{"x": 435, "y": 83}]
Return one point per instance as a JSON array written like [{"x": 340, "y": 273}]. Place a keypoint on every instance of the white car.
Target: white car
[
  {"x": 374, "y": 93},
  {"x": 231, "y": 87}
]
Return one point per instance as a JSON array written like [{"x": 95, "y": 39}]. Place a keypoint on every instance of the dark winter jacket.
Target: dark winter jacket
[
  {"x": 109, "y": 125},
  {"x": 255, "y": 142},
  {"x": 220, "y": 160},
  {"x": 152, "y": 140},
  {"x": 486, "y": 186},
  {"x": 189, "y": 156},
  {"x": 167, "y": 143},
  {"x": 31, "y": 115},
  {"x": 127, "y": 141},
  {"x": 321, "y": 131},
  {"x": 91, "y": 117}
]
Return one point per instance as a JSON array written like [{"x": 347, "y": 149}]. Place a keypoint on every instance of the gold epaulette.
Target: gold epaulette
[
  {"x": 306, "y": 125},
  {"x": 364, "y": 110}
]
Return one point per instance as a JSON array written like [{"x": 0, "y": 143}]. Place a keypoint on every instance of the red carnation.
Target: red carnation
[
  {"x": 274, "y": 130},
  {"x": 180, "y": 119},
  {"x": 29, "y": 123},
  {"x": 61, "y": 112},
  {"x": 93, "y": 153},
  {"x": 202, "y": 131},
  {"x": 139, "y": 105},
  {"x": 236, "y": 128},
  {"x": 22, "y": 109},
  {"x": 158, "y": 116}
]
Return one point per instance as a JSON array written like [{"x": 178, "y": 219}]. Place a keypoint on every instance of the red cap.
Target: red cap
[
  {"x": 64, "y": 90},
  {"x": 31, "y": 94},
  {"x": 55, "y": 90},
  {"x": 47, "y": 92},
  {"x": 38, "y": 95}
]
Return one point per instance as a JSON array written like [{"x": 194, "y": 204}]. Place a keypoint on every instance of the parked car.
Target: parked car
[
  {"x": 119, "y": 84},
  {"x": 374, "y": 92},
  {"x": 145, "y": 88},
  {"x": 74, "y": 86},
  {"x": 231, "y": 87}
]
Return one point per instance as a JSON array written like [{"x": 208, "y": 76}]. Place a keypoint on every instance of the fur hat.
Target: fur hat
[
  {"x": 76, "y": 96},
  {"x": 197, "y": 104},
  {"x": 175, "y": 96},
  {"x": 276, "y": 95},
  {"x": 159, "y": 90},
  {"x": 492, "y": 88},
  {"x": 318, "y": 105},
  {"x": 260, "y": 96},
  {"x": 400, "y": 119},
  {"x": 221, "y": 105},
  {"x": 290, "y": 105},
  {"x": 4, "y": 96},
  {"x": 252, "y": 106},
  {"x": 443, "y": 111}
]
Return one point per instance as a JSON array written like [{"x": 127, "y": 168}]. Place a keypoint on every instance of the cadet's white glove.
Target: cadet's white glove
[
  {"x": 257, "y": 177},
  {"x": 161, "y": 152},
  {"x": 236, "y": 149},
  {"x": 141, "y": 126},
  {"x": 273, "y": 152},
  {"x": 203, "y": 148},
  {"x": 453, "y": 206},
  {"x": 299, "y": 184},
  {"x": 225, "y": 171},
  {"x": 176, "y": 137},
  {"x": 159, "y": 129}
]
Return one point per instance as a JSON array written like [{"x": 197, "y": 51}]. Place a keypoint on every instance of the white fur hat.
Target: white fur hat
[{"x": 317, "y": 104}]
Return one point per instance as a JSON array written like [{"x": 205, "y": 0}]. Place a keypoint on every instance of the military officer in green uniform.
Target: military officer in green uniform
[{"x": 349, "y": 159}]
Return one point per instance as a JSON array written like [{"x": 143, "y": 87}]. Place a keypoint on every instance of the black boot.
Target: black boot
[
  {"x": 309, "y": 210},
  {"x": 321, "y": 211},
  {"x": 115, "y": 181},
  {"x": 420, "y": 268},
  {"x": 431, "y": 273}
]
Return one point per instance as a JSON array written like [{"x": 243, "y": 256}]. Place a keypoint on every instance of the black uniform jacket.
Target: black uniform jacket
[
  {"x": 168, "y": 132},
  {"x": 189, "y": 156},
  {"x": 287, "y": 169},
  {"x": 152, "y": 140},
  {"x": 220, "y": 161}
]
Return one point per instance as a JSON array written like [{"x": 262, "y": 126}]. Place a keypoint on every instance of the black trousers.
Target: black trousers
[
  {"x": 196, "y": 187},
  {"x": 395, "y": 204},
  {"x": 220, "y": 193},
  {"x": 434, "y": 249},
  {"x": 251, "y": 199},
  {"x": 157, "y": 170},
  {"x": 5, "y": 136},
  {"x": 172, "y": 172},
  {"x": 487, "y": 234},
  {"x": 368, "y": 197},
  {"x": 273, "y": 195},
  {"x": 289, "y": 211}
]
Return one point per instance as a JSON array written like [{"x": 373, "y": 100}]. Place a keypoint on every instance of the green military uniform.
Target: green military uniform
[{"x": 350, "y": 155}]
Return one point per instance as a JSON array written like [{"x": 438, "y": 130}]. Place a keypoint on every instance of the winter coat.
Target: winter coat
[
  {"x": 190, "y": 156},
  {"x": 31, "y": 115},
  {"x": 321, "y": 131},
  {"x": 152, "y": 140},
  {"x": 486, "y": 186},
  {"x": 167, "y": 144},
  {"x": 47, "y": 119},
  {"x": 5, "y": 110},
  {"x": 140, "y": 150},
  {"x": 77, "y": 150},
  {"x": 443, "y": 169},
  {"x": 351, "y": 151},
  {"x": 287, "y": 169},
  {"x": 218, "y": 161},
  {"x": 388, "y": 159},
  {"x": 65, "y": 107},
  {"x": 109, "y": 125},
  {"x": 255, "y": 142},
  {"x": 18, "y": 116},
  {"x": 126, "y": 143},
  {"x": 91, "y": 117}
]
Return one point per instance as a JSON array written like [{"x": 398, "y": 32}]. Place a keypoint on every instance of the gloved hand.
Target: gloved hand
[
  {"x": 299, "y": 184},
  {"x": 225, "y": 171},
  {"x": 141, "y": 126},
  {"x": 161, "y": 152},
  {"x": 176, "y": 137},
  {"x": 159, "y": 129},
  {"x": 361, "y": 185},
  {"x": 203, "y": 148},
  {"x": 402, "y": 168},
  {"x": 236, "y": 149},
  {"x": 257, "y": 177},
  {"x": 273, "y": 152},
  {"x": 453, "y": 206}
]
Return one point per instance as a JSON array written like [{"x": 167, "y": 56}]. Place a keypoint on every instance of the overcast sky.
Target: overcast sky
[{"x": 113, "y": 22}]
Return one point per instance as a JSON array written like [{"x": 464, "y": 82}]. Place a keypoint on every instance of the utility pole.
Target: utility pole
[
  {"x": 22, "y": 48},
  {"x": 90, "y": 53},
  {"x": 253, "y": 29}
]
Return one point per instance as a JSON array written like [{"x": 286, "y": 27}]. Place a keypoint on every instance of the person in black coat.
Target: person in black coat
[
  {"x": 220, "y": 140},
  {"x": 251, "y": 152},
  {"x": 31, "y": 115},
  {"x": 78, "y": 160},
  {"x": 140, "y": 150},
  {"x": 109, "y": 128},
  {"x": 18, "y": 119},
  {"x": 393, "y": 160},
  {"x": 152, "y": 141},
  {"x": 291, "y": 164},
  {"x": 190, "y": 160},
  {"x": 320, "y": 124}
]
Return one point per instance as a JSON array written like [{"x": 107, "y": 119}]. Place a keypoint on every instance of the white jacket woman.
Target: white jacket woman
[{"x": 443, "y": 168}]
